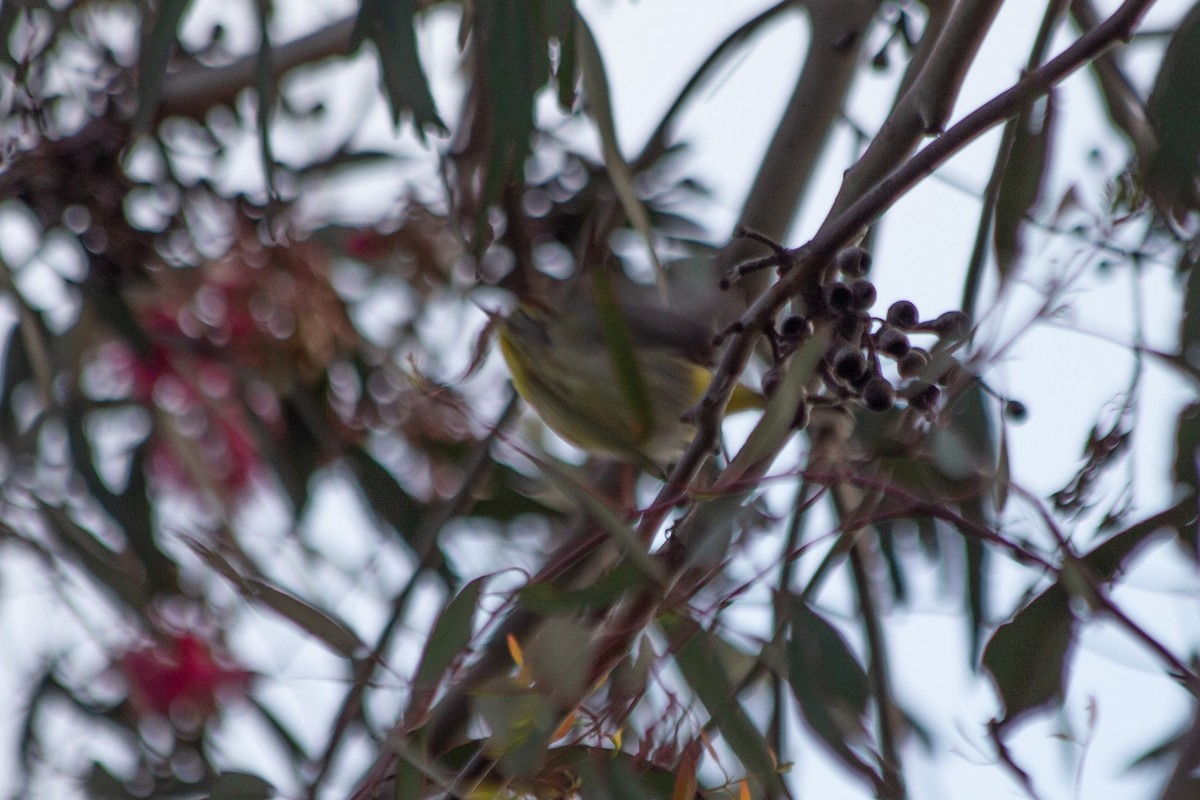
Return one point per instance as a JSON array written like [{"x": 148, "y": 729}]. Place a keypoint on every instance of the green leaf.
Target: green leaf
[
  {"x": 1189, "y": 322},
  {"x": 1171, "y": 170},
  {"x": 599, "y": 107},
  {"x": 1107, "y": 560},
  {"x": 1186, "y": 471},
  {"x": 449, "y": 639},
  {"x": 240, "y": 786},
  {"x": 1021, "y": 186},
  {"x": 697, "y": 658},
  {"x": 510, "y": 70},
  {"x": 321, "y": 624},
  {"x": 830, "y": 685},
  {"x": 550, "y": 598},
  {"x": 389, "y": 24},
  {"x": 156, "y": 54},
  {"x": 1027, "y": 656},
  {"x": 264, "y": 88},
  {"x": 385, "y": 496}
]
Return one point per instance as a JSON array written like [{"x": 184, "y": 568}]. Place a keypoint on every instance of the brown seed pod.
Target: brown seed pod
[
  {"x": 892, "y": 342},
  {"x": 853, "y": 262},
  {"x": 914, "y": 363},
  {"x": 863, "y": 294},
  {"x": 849, "y": 364},
  {"x": 923, "y": 396},
  {"x": 838, "y": 296},
  {"x": 903, "y": 314},
  {"x": 795, "y": 327},
  {"x": 879, "y": 394},
  {"x": 951, "y": 325}
]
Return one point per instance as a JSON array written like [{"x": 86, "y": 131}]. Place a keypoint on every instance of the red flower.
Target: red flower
[{"x": 179, "y": 678}]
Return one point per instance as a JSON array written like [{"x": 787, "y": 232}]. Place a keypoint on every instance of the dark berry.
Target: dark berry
[
  {"x": 849, "y": 327},
  {"x": 1016, "y": 410},
  {"x": 903, "y": 314},
  {"x": 838, "y": 296},
  {"x": 878, "y": 394},
  {"x": 892, "y": 342},
  {"x": 923, "y": 396},
  {"x": 914, "y": 363},
  {"x": 795, "y": 327},
  {"x": 849, "y": 364},
  {"x": 863, "y": 293},
  {"x": 854, "y": 262}
]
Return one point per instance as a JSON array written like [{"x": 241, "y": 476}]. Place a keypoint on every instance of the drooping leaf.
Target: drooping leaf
[
  {"x": 697, "y": 659},
  {"x": 599, "y": 106},
  {"x": 511, "y": 68},
  {"x": 1189, "y": 319},
  {"x": 1186, "y": 471},
  {"x": 157, "y": 46},
  {"x": 386, "y": 497},
  {"x": 1024, "y": 176},
  {"x": 449, "y": 639},
  {"x": 1027, "y": 656},
  {"x": 389, "y": 24},
  {"x": 1108, "y": 559},
  {"x": 550, "y": 598},
  {"x": 1172, "y": 170},
  {"x": 316, "y": 621},
  {"x": 829, "y": 684}
]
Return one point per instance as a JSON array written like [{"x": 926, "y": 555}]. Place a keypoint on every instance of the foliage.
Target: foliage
[{"x": 241, "y": 429}]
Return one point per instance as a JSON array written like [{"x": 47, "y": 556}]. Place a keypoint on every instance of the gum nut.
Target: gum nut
[
  {"x": 854, "y": 262},
  {"x": 903, "y": 314},
  {"x": 879, "y": 394},
  {"x": 863, "y": 293},
  {"x": 838, "y": 296},
  {"x": 913, "y": 364}
]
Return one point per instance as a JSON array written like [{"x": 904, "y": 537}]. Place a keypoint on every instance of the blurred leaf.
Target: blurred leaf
[
  {"x": 510, "y": 70},
  {"x": 114, "y": 569},
  {"x": 1024, "y": 177},
  {"x": 828, "y": 682},
  {"x": 1107, "y": 560},
  {"x": 17, "y": 370},
  {"x": 697, "y": 658},
  {"x": 390, "y": 25},
  {"x": 449, "y": 639},
  {"x": 1171, "y": 171},
  {"x": 777, "y": 424},
  {"x": 599, "y": 107},
  {"x": 559, "y": 659},
  {"x": 240, "y": 786},
  {"x": 101, "y": 784},
  {"x": 320, "y": 623},
  {"x": 157, "y": 47},
  {"x": 550, "y": 598},
  {"x": 1189, "y": 322},
  {"x": 1186, "y": 470},
  {"x": 1027, "y": 656},
  {"x": 521, "y": 725},
  {"x": 728, "y": 47},
  {"x": 558, "y": 21},
  {"x": 385, "y": 496},
  {"x": 618, "y": 341},
  {"x": 264, "y": 89}
]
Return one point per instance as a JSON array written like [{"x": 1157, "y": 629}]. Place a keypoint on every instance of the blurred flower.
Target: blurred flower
[{"x": 179, "y": 678}]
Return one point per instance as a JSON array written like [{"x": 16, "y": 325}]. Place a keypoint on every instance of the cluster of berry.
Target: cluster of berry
[{"x": 851, "y": 367}]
